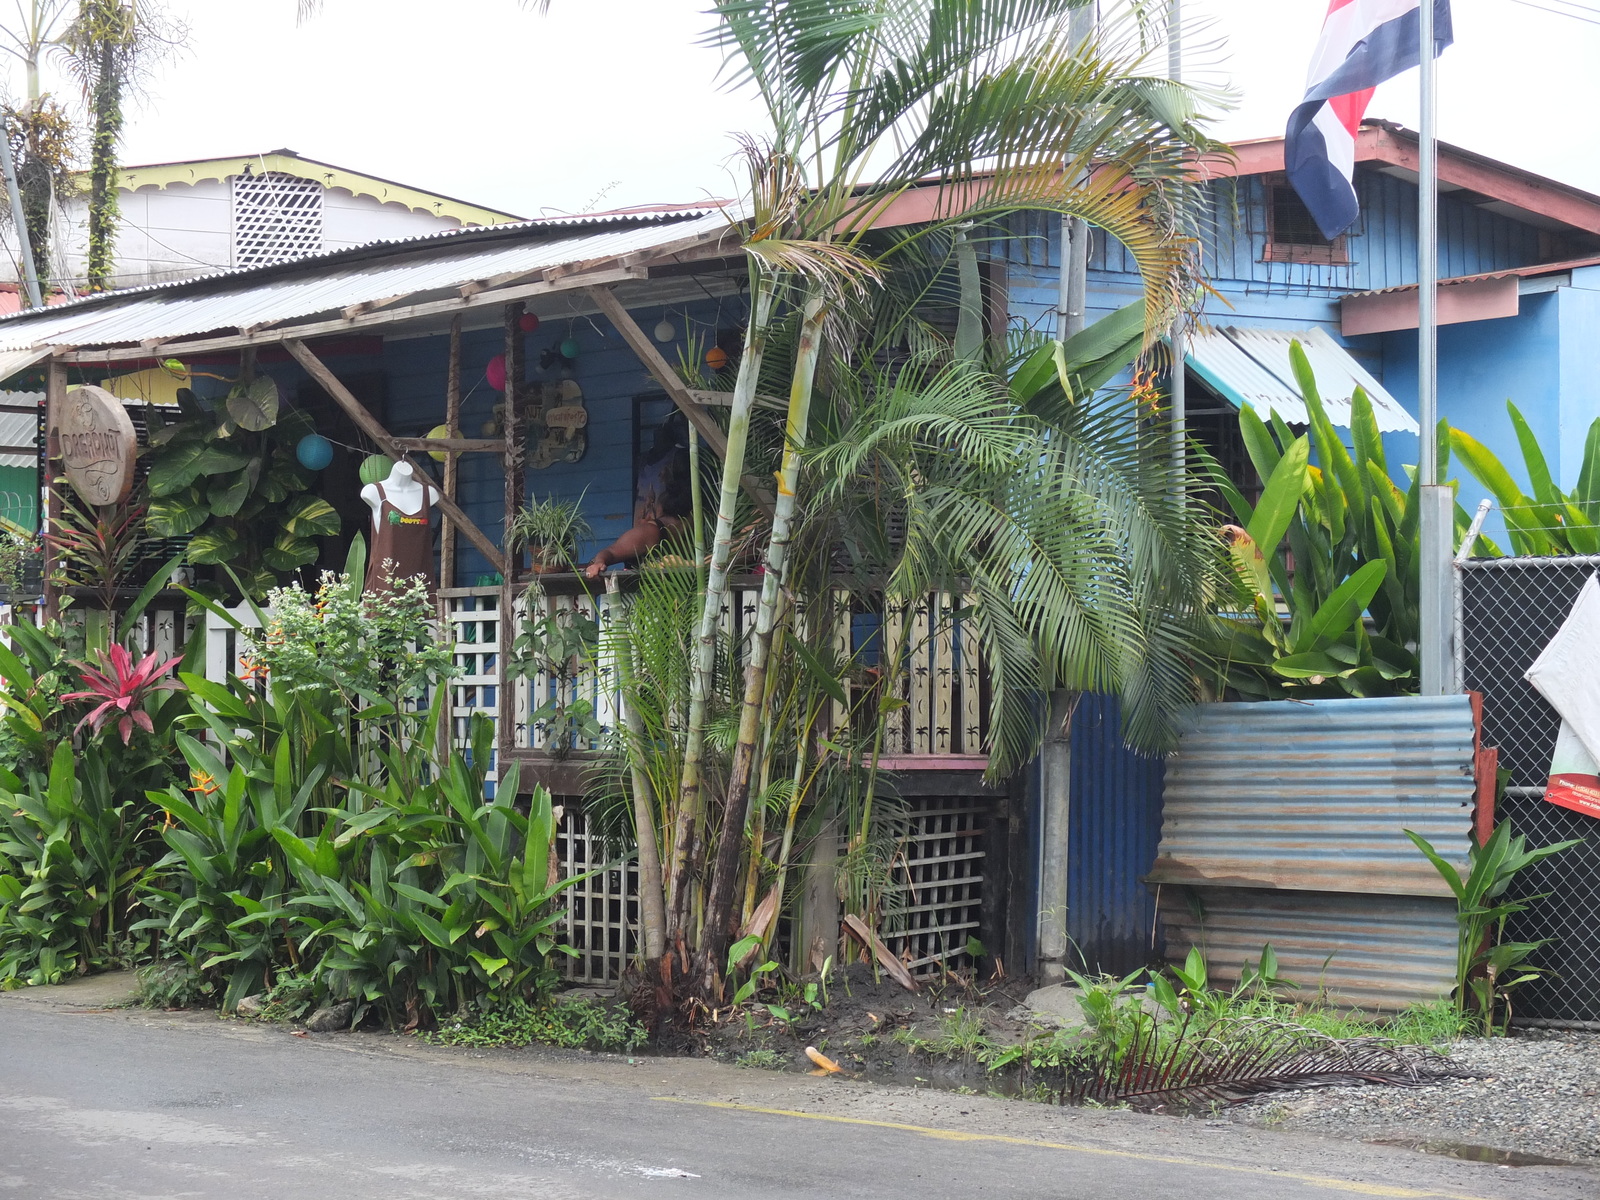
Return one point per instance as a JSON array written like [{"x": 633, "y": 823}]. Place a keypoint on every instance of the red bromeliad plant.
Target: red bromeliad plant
[{"x": 122, "y": 689}]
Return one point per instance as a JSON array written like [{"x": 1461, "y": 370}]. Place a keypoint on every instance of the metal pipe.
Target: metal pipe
[
  {"x": 30, "y": 274},
  {"x": 1437, "y": 518},
  {"x": 1074, "y": 279}
]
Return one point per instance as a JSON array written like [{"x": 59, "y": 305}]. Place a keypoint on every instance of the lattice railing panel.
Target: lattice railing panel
[
  {"x": 602, "y": 922},
  {"x": 936, "y": 902}
]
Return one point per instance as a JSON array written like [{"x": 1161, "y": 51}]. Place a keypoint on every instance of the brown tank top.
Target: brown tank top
[{"x": 402, "y": 543}]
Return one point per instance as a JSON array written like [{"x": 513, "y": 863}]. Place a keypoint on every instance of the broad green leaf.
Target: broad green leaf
[
  {"x": 1343, "y": 608},
  {"x": 1310, "y": 665},
  {"x": 219, "y": 544},
  {"x": 1544, "y": 490},
  {"x": 1281, "y": 497},
  {"x": 310, "y": 516},
  {"x": 254, "y": 406},
  {"x": 178, "y": 514}
]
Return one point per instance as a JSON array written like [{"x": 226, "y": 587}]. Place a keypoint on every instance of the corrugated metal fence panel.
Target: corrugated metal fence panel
[
  {"x": 1371, "y": 952},
  {"x": 1314, "y": 795},
  {"x": 1114, "y": 825}
]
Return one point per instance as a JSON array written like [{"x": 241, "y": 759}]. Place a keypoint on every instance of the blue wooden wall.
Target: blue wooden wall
[{"x": 610, "y": 375}]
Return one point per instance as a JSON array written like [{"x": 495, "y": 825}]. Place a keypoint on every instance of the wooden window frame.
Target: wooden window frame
[{"x": 1335, "y": 254}]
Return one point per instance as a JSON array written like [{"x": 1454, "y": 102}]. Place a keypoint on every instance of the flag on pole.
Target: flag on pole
[{"x": 1363, "y": 43}]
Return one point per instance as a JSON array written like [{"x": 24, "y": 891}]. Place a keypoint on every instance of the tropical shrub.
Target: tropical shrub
[
  {"x": 68, "y": 865},
  {"x": 224, "y": 475},
  {"x": 1488, "y": 967},
  {"x": 1333, "y": 544},
  {"x": 1550, "y": 521}
]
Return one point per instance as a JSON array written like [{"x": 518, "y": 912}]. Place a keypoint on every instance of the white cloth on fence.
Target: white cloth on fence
[{"x": 1567, "y": 671}]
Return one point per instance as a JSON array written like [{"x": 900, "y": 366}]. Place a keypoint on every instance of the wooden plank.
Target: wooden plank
[
  {"x": 892, "y": 664},
  {"x": 944, "y": 675},
  {"x": 452, "y": 444},
  {"x": 55, "y": 387},
  {"x": 368, "y": 424},
  {"x": 452, "y": 424},
  {"x": 971, "y": 731},
  {"x": 921, "y": 684},
  {"x": 162, "y": 347},
  {"x": 841, "y": 649}
]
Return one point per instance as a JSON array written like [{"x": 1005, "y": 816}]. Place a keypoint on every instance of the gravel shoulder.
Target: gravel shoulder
[{"x": 1536, "y": 1093}]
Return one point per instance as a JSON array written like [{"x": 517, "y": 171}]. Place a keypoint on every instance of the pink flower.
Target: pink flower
[{"x": 122, "y": 689}]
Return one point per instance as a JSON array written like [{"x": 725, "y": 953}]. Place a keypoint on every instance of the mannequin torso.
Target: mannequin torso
[{"x": 403, "y": 489}]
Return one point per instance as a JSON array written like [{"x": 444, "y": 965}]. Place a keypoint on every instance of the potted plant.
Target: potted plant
[{"x": 550, "y": 531}]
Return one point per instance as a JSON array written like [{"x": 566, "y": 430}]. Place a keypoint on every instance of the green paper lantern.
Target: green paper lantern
[{"x": 375, "y": 468}]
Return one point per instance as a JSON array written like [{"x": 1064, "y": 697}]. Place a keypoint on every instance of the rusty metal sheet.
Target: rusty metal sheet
[
  {"x": 1314, "y": 795},
  {"x": 1369, "y": 952}
]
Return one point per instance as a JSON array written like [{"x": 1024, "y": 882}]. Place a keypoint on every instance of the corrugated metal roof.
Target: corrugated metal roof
[
  {"x": 1533, "y": 272},
  {"x": 306, "y": 288},
  {"x": 1314, "y": 795},
  {"x": 18, "y": 429},
  {"x": 1370, "y": 952},
  {"x": 1251, "y": 366}
]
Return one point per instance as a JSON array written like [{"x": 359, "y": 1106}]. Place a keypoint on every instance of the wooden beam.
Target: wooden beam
[
  {"x": 55, "y": 390},
  {"x": 166, "y": 347},
  {"x": 452, "y": 425},
  {"x": 661, "y": 371},
  {"x": 368, "y": 424},
  {"x": 455, "y": 445}
]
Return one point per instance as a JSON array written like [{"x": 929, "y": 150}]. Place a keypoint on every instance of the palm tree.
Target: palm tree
[{"x": 868, "y": 100}]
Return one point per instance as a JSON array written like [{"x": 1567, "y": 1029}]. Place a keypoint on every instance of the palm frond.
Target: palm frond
[{"x": 1174, "y": 1066}]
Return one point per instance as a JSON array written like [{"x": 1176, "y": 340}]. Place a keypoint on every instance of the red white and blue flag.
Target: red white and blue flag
[{"x": 1363, "y": 43}]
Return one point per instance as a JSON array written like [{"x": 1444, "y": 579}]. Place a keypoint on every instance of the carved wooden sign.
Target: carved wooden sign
[{"x": 97, "y": 444}]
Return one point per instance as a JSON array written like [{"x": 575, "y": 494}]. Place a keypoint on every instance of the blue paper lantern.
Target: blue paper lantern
[{"x": 314, "y": 452}]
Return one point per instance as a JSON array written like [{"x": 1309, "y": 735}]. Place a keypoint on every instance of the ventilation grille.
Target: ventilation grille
[{"x": 276, "y": 217}]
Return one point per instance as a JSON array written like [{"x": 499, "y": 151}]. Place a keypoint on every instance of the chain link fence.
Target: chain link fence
[{"x": 1509, "y": 609}]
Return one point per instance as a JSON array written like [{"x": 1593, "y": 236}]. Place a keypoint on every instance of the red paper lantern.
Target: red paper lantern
[
  {"x": 495, "y": 372},
  {"x": 529, "y": 322}
]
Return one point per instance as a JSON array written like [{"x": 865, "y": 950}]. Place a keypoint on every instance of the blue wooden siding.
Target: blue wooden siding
[
  {"x": 1113, "y": 829},
  {"x": 611, "y": 377},
  {"x": 1382, "y": 250}
]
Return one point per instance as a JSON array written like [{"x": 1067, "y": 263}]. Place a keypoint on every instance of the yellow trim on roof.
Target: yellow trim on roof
[{"x": 385, "y": 191}]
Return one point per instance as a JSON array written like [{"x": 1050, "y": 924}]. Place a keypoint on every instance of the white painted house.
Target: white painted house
[{"x": 181, "y": 219}]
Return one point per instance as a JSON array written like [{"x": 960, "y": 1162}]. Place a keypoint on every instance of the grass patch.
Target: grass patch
[
  {"x": 571, "y": 1024},
  {"x": 764, "y": 1060}
]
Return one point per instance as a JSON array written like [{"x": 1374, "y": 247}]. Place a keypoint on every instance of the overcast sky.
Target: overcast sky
[{"x": 610, "y": 102}]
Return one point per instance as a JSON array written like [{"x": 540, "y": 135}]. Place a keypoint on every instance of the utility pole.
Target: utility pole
[
  {"x": 1437, "y": 519},
  {"x": 30, "y": 275},
  {"x": 1074, "y": 232}
]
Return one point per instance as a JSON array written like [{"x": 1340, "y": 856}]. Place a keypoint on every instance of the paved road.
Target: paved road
[{"x": 120, "y": 1104}]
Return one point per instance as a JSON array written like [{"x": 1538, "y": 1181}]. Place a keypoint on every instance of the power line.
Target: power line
[{"x": 1593, "y": 17}]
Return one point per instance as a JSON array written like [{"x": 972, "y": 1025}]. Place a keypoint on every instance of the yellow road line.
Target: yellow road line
[{"x": 957, "y": 1135}]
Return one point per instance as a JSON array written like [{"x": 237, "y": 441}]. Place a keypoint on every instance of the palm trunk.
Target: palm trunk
[
  {"x": 690, "y": 791},
  {"x": 719, "y": 904},
  {"x": 652, "y": 896},
  {"x": 103, "y": 211}
]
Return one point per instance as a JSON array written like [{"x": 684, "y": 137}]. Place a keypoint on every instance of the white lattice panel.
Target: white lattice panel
[
  {"x": 276, "y": 217},
  {"x": 936, "y": 902},
  {"x": 476, "y": 629},
  {"x": 602, "y": 922}
]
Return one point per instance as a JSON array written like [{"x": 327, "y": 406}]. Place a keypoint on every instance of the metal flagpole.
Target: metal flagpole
[
  {"x": 1074, "y": 233},
  {"x": 1437, "y": 519}
]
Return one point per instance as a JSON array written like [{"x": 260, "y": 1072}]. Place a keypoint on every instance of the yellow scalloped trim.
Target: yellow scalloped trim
[{"x": 163, "y": 174}]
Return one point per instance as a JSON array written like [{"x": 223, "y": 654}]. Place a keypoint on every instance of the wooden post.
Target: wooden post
[
  {"x": 515, "y": 497},
  {"x": 55, "y": 395},
  {"x": 345, "y": 399},
  {"x": 452, "y": 420}
]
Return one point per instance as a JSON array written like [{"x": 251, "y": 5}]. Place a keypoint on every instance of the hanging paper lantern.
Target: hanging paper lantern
[
  {"x": 569, "y": 348},
  {"x": 716, "y": 358},
  {"x": 314, "y": 452},
  {"x": 495, "y": 372},
  {"x": 665, "y": 330},
  {"x": 375, "y": 468},
  {"x": 439, "y": 431},
  {"x": 528, "y": 322}
]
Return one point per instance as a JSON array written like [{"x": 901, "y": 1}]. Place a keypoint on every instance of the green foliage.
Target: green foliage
[
  {"x": 35, "y": 673},
  {"x": 67, "y": 868},
  {"x": 763, "y": 1059},
  {"x": 574, "y": 1024},
  {"x": 560, "y": 644},
  {"x": 551, "y": 529},
  {"x": 226, "y": 477},
  {"x": 1326, "y": 547},
  {"x": 1550, "y": 521},
  {"x": 1488, "y": 967},
  {"x": 359, "y": 647},
  {"x": 173, "y": 983}
]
